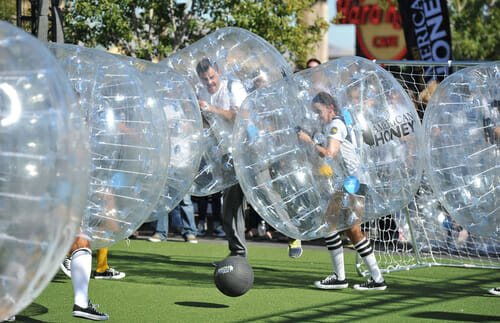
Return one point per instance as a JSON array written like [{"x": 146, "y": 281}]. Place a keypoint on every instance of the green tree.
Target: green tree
[
  {"x": 154, "y": 28},
  {"x": 475, "y": 26},
  {"x": 8, "y": 11}
]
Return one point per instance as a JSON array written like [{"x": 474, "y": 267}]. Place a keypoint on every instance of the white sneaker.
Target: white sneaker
[
  {"x": 494, "y": 291},
  {"x": 155, "y": 238},
  {"x": 190, "y": 238},
  {"x": 66, "y": 266}
]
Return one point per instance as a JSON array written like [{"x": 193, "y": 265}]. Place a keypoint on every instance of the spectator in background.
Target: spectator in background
[
  {"x": 312, "y": 62},
  {"x": 185, "y": 211},
  {"x": 215, "y": 202}
]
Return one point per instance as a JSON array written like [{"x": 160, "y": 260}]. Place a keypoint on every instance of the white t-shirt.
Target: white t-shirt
[
  {"x": 229, "y": 96},
  {"x": 225, "y": 98},
  {"x": 337, "y": 130}
]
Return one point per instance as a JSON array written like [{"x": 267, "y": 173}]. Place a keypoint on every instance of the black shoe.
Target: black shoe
[
  {"x": 371, "y": 285},
  {"x": 109, "y": 273},
  {"x": 89, "y": 313},
  {"x": 331, "y": 282}
]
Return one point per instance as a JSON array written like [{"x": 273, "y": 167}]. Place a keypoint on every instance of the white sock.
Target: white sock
[
  {"x": 365, "y": 250},
  {"x": 371, "y": 263},
  {"x": 81, "y": 265},
  {"x": 336, "y": 251},
  {"x": 337, "y": 256}
]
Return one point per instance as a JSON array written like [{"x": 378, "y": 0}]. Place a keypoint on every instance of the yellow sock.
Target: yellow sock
[{"x": 102, "y": 260}]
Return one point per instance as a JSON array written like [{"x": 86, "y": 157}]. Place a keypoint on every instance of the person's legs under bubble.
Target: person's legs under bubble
[
  {"x": 81, "y": 266},
  {"x": 187, "y": 218}
]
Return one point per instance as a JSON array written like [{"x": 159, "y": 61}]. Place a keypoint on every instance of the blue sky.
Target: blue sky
[{"x": 342, "y": 36}]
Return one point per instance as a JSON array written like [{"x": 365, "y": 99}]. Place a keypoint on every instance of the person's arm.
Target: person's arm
[
  {"x": 332, "y": 149},
  {"x": 228, "y": 114},
  {"x": 322, "y": 152}
]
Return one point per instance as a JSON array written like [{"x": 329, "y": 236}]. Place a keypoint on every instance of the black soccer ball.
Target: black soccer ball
[{"x": 233, "y": 276}]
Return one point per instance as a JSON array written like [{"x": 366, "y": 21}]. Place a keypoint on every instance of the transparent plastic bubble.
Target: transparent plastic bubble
[
  {"x": 185, "y": 128},
  {"x": 234, "y": 62},
  {"x": 294, "y": 189},
  {"x": 128, "y": 138},
  {"x": 44, "y": 168},
  {"x": 426, "y": 208},
  {"x": 461, "y": 145},
  {"x": 434, "y": 231}
]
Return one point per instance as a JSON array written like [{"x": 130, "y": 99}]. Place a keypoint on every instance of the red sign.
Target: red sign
[{"x": 378, "y": 30}]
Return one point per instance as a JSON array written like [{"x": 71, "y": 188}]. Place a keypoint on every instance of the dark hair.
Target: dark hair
[
  {"x": 312, "y": 60},
  {"x": 204, "y": 65},
  {"x": 327, "y": 100}
]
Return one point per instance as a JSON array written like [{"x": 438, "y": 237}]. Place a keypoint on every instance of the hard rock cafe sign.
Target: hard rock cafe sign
[{"x": 379, "y": 34}]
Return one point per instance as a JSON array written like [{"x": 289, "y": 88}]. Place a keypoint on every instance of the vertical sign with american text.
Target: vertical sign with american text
[{"x": 426, "y": 27}]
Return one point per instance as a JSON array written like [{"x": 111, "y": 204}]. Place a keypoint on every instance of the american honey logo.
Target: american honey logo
[{"x": 384, "y": 130}]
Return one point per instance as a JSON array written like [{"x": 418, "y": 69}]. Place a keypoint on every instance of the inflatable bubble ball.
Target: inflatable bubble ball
[
  {"x": 185, "y": 126},
  {"x": 426, "y": 209},
  {"x": 461, "y": 146},
  {"x": 233, "y": 276},
  {"x": 128, "y": 141},
  {"x": 286, "y": 157},
  {"x": 223, "y": 68},
  {"x": 44, "y": 168}
]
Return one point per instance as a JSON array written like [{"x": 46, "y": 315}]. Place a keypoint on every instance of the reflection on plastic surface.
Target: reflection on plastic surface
[
  {"x": 299, "y": 192},
  {"x": 129, "y": 153},
  {"x": 238, "y": 62},
  {"x": 461, "y": 145},
  {"x": 44, "y": 169},
  {"x": 185, "y": 127}
]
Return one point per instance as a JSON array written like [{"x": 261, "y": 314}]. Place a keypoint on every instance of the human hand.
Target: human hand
[
  {"x": 204, "y": 106},
  {"x": 304, "y": 137}
]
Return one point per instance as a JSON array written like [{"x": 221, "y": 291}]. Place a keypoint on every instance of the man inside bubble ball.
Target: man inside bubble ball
[
  {"x": 223, "y": 98},
  {"x": 347, "y": 204}
]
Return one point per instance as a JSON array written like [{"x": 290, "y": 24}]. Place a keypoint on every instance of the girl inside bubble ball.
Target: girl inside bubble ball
[{"x": 337, "y": 139}]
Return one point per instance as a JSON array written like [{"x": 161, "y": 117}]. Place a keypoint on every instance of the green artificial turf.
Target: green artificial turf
[{"x": 173, "y": 282}]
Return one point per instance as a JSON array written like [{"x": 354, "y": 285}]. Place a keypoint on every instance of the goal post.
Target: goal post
[{"x": 423, "y": 234}]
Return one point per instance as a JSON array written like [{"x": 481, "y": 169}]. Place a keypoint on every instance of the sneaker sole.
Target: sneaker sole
[
  {"x": 492, "y": 291},
  {"x": 122, "y": 275},
  {"x": 373, "y": 288},
  {"x": 321, "y": 286},
  {"x": 90, "y": 316}
]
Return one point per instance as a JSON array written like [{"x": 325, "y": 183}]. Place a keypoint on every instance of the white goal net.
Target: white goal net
[{"x": 423, "y": 234}]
